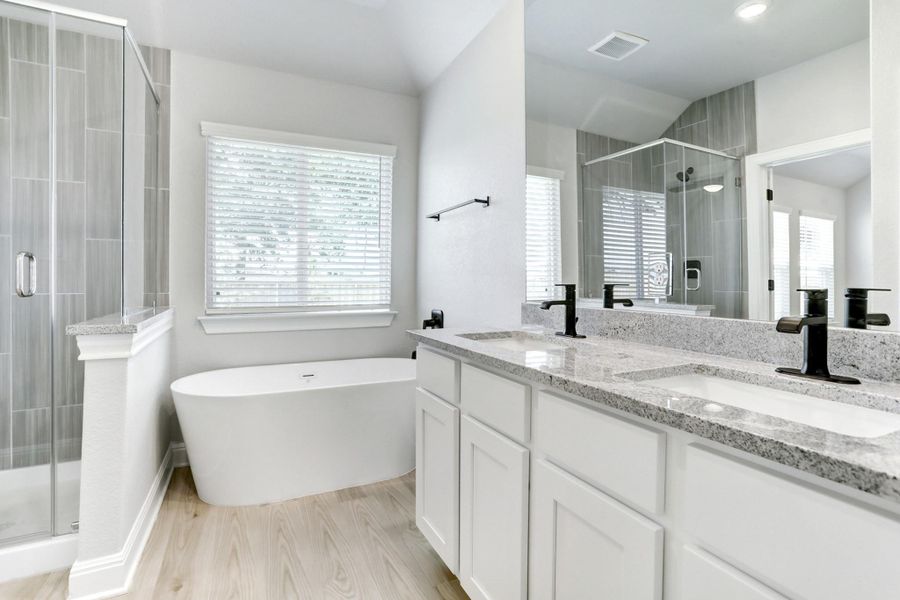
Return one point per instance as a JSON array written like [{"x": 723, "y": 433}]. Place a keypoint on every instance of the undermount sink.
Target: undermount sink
[
  {"x": 517, "y": 341},
  {"x": 837, "y": 417}
]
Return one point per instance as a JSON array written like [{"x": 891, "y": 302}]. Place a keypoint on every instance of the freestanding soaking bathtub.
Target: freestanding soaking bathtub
[{"x": 265, "y": 434}]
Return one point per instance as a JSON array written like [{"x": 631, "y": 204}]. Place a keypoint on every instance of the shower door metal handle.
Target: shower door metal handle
[
  {"x": 26, "y": 274},
  {"x": 686, "y": 286},
  {"x": 671, "y": 264}
]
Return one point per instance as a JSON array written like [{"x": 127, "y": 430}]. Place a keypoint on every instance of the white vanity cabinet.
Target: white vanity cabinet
[
  {"x": 493, "y": 514},
  {"x": 586, "y": 545},
  {"x": 534, "y": 493}
]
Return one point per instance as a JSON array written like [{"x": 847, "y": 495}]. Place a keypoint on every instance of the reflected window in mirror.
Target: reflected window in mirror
[
  {"x": 817, "y": 256},
  {"x": 543, "y": 242}
]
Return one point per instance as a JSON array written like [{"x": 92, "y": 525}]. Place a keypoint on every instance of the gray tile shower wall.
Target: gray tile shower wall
[
  {"x": 88, "y": 76},
  {"x": 725, "y": 121},
  {"x": 852, "y": 352}
]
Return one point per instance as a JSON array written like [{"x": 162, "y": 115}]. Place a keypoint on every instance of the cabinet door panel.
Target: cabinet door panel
[
  {"x": 587, "y": 546},
  {"x": 705, "y": 577},
  {"x": 493, "y": 514},
  {"x": 437, "y": 475},
  {"x": 438, "y": 374}
]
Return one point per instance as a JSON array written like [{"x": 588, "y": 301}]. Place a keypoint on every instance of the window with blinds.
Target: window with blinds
[
  {"x": 296, "y": 227},
  {"x": 817, "y": 256},
  {"x": 781, "y": 263},
  {"x": 543, "y": 244},
  {"x": 634, "y": 239}
]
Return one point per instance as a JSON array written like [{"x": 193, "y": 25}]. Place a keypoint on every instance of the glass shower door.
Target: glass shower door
[{"x": 26, "y": 267}]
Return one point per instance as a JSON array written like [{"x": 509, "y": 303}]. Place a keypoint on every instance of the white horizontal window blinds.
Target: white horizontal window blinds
[
  {"x": 291, "y": 227},
  {"x": 817, "y": 256},
  {"x": 781, "y": 263},
  {"x": 543, "y": 244},
  {"x": 634, "y": 239}
]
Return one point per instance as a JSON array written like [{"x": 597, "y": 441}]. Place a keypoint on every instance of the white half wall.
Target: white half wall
[
  {"x": 885, "y": 15},
  {"x": 825, "y": 96},
  {"x": 210, "y": 90},
  {"x": 471, "y": 264},
  {"x": 553, "y": 147}
]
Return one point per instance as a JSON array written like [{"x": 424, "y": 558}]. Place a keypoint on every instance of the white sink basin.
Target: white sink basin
[
  {"x": 522, "y": 344},
  {"x": 829, "y": 415}
]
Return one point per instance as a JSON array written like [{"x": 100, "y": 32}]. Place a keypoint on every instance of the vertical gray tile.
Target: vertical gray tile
[
  {"x": 694, "y": 113},
  {"x": 726, "y": 119},
  {"x": 727, "y": 257},
  {"x": 5, "y": 214},
  {"x": 618, "y": 145},
  {"x": 593, "y": 222},
  {"x": 669, "y": 133},
  {"x": 31, "y": 437},
  {"x": 162, "y": 246},
  {"x": 5, "y": 413},
  {"x": 31, "y": 360},
  {"x": 699, "y": 223},
  {"x": 620, "y": 174},
  {"x": 596, "y": 175},
  {"x": 104, "y": 88},
  {"x": 750, "y": 117},
  {"x": 595, "y": 146},
  {"x": 70, "y": 50},
  {"x": 165, "y": 119},
  {"x": 696, "y": 134},
  {"x": 7, "y": 270},
  {"x": 642, "y": 170},
  {"x": 29, "y": 42},
  {"x": 104, "y": 281},
  {"x": 68, "y": 371},
  {"x": 70, "y": 228},
  {"x": 4, "y": 67},
  {"x": 160, "y": 65},
  {"x": 69, "y": 125},
  {"x": 31, "y": 225},
  {"x": 69, "y": 425},
  {"x": 103, "y": 172},
  {"x": 30, "y": 126},
  {"x": 729, "y": 305},
  {"x": 151, "y": 236}
]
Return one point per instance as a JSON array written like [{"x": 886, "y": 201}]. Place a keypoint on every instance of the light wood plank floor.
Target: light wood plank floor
[{"x": 360, "y": 543}]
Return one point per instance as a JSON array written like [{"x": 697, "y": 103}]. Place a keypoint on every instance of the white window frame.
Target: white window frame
[
  {"x": 555, "y": 253},
  {"x": 218, "y": 321}
]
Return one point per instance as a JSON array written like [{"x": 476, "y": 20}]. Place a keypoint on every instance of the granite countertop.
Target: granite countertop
[
  {"x": 613, "y": 373},
  {"x": 115, "y": 324}
]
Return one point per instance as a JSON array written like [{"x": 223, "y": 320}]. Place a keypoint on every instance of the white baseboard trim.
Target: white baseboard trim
[
  {"x": 111, "y": 575},
  {"x": 179, "y": 455},
  {"x": 36, "y": 558}
]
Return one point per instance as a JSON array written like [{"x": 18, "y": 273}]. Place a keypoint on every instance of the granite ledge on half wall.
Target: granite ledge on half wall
[
  {"x": 866, "y": 354},
  {"x": 116, "y": 324}
]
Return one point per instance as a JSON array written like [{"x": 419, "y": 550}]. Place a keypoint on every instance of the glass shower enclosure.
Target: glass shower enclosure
[
  {"x": 78, "y": 165},
  {"x": 665, "y": 222}
]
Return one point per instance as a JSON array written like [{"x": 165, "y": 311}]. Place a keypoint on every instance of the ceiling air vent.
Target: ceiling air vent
[{"x": 618, "y": 45}]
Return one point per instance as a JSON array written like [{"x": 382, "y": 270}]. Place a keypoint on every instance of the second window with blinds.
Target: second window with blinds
[
  {"x": 543, "y": 242},
  {"x": 296, "y": 223}
]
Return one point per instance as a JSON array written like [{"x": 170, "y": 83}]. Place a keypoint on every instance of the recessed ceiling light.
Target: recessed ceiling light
[
  {"x": 751, "y": 10},
  {"x": 713, "y": 188}
]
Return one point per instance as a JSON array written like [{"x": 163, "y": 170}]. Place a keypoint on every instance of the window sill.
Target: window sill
[{"x": 295, "y": 321}]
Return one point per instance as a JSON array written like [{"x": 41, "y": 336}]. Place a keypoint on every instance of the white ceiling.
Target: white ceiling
[
  {"x": 696, "y": 48},
  {"x": 839, "y": 170},
  {"x": 392, "y": 45}
]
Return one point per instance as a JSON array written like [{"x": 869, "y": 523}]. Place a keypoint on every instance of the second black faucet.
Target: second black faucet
[{"x": 569, "y": 303}]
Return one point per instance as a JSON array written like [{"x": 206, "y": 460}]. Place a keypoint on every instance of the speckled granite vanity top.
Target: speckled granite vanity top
[{"x": 615, "y": 373}]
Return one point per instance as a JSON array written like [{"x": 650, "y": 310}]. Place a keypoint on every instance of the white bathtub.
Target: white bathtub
[{"x": 265, "y": 434}]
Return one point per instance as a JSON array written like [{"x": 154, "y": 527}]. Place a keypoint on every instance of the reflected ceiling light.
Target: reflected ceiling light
[
  {"x": 713, "y": 188},
  {"x": 751, "y": 10}
]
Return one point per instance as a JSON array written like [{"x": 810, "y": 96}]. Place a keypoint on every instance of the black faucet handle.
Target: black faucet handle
[
  {"x": 609, "y": 286},
  {"x": 568, "y": 286},
  {"x": 862, "y": 292},
  {"x": 815, "y": 293},
  {"x": 878, "y": 319}
]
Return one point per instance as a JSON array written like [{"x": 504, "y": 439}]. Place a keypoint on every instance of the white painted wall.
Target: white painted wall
[
  {"x": 472, "y": 262},
  {"x": 825, "y": 96},
  {"x": 860, "y": 255},
  {"x": 554, "y": 147},
  {"x": 816, "y": 200},
  {"x": 885, "y": 15},
  {"x": 205, "y": 89}
]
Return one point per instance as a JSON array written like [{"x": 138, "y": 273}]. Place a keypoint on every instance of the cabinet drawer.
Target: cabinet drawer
[
  {"x": 501, "y": 403},
  {"x": 806, "y": 543},
  {"x": 438, "y": 374},
  {"x": 705, "y": 577},
  {"x": 622, "y": 458}
]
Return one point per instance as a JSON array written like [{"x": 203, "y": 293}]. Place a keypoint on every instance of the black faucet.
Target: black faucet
[
  {"x": 609, "y": 301},
  {"x": 569, "y": 303},
  {"x": 857, "y": 315},
  {"x": 814, "y": 326}
]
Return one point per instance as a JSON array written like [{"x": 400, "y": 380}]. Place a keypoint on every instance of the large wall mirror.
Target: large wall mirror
[{"x": 657, "y": 131}]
